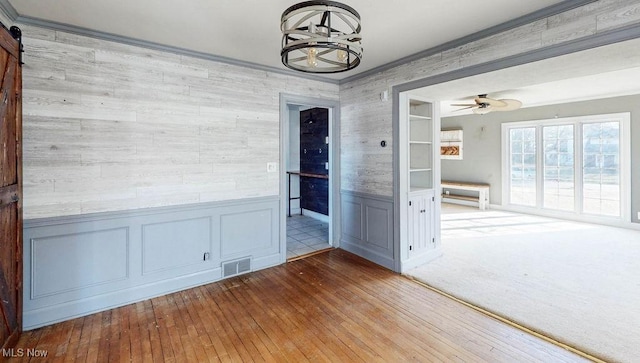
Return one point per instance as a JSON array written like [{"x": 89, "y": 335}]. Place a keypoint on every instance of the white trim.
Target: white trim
[
  {"x": 624, "y": 119},
  {"x": 311, "y": 214},
  {"x": 405, "y": 260},
  {"x": 612, "y": 222},
  {"x": 625, "y": 166},
  {"x": 333, "y": 106},
  {"x": 505, "y": 165}
]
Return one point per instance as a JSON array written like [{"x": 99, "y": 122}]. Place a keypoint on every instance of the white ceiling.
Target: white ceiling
[
  {"x": 603, "y": 72},
  {"x": 249, "y": 30}
]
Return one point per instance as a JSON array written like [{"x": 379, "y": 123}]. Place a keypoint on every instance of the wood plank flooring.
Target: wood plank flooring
[{"x": 330, "y": 307}]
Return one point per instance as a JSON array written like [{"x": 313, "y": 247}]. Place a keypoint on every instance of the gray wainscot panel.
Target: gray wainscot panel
[
  {"x": 367, "y": 226},
  {"x": 239, "y": 238},
  {"x": 90, "y": 259},
  {"x": 78, "y": 265},
  {"x": 176, "y": 244}
]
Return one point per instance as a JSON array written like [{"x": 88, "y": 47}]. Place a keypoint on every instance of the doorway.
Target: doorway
[
  {"x": 553, "y": 257},
  {"x": 308, "y": 181},
  {"x": 309, "y": 176}
]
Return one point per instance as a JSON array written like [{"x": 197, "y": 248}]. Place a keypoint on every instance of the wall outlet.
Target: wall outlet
[{"x": 272, "y": 167}]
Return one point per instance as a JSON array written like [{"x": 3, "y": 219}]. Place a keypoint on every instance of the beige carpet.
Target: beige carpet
[{"x": 577, "y": 283}]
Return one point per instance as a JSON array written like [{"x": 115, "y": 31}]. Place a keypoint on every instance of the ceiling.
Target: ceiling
[
  {"x": 591, "y": 74},
  {"x": 249, "y": 30}
]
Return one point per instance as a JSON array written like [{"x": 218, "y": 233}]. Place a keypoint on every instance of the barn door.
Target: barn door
[{"x": 10, "y": 187}]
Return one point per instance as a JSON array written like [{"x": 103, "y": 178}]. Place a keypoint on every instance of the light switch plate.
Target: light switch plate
[{"x": 272, "y": 167}]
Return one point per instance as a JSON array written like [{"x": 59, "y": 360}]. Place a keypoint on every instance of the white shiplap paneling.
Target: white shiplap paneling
[
  {"x": 112, "y": 127},
  {"x": 366, "y": 119}
]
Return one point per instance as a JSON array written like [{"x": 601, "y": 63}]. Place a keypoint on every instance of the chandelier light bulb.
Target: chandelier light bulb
[
  {"x": 312, "y": 60},
  {"x": 312, "y": 52},
  {"x": 341, "y": 54}
]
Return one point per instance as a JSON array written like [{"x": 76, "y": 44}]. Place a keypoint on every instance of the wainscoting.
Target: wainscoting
[
  {"x": 367, "y": 226},
  {"x": 78, "y": 265}
]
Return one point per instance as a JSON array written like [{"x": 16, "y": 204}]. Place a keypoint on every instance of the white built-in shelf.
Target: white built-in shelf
[
  {"x": 418, "y": 189},
  {"x": 420, "y": 145},
  {"x": 419, "y": 118}
]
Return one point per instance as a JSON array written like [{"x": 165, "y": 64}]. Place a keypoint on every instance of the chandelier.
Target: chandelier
[{"x": 321, "y": 37}]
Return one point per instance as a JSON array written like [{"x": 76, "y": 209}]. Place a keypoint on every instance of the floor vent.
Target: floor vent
[{"x": 237, "y": 267}]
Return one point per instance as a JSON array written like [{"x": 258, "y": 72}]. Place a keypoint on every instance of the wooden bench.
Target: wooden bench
[{"x": 482, "y": 189}]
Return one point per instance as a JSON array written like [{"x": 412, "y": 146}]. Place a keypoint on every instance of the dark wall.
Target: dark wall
[{"x": 314, "y": 154}]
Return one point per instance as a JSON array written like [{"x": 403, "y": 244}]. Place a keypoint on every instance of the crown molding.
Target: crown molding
[
  {"x": 511, "y": 24},
  {"x": 561, "y": 7},
  {"x": 601, "y": 39},
  {"x": 8, "y": 10},
  {"x": 162, "y": 47}
]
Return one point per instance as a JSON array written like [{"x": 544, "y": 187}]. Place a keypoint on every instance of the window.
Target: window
[
  {"x": 601, "y": 168},
  {"x": 572, "y": 165},
  {"x": 559, "y": 171},
  {"x": 523, "y": 166}
]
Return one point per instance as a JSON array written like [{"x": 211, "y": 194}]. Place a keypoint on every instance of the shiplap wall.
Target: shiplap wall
[
  {"x": 111, "y": 127},
  {"x": 366, "y": 119}
]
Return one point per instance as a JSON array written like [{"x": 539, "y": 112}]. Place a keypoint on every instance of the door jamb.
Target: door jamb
[{"x": 333, "y": 106}]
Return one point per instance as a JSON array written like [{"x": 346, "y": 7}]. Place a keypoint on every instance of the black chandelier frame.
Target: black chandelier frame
[{"x": 331, "y": 46}]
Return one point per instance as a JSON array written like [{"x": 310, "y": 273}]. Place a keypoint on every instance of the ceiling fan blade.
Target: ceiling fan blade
[
  {"x": 510, "y": 105},
  {"x": 464, "y": 108},
  {"x": 464, "y": 104}
]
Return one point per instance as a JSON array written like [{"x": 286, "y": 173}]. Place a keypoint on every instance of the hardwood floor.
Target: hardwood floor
[{"x": 330, "y": 307}]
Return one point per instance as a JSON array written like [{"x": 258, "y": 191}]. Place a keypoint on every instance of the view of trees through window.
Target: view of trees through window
[
  {"x": 601, "y": 168},
  {"x": 567, "y": 165},
  {"x": 523, "y": 166},
  {"x": 559, "y": 178}
]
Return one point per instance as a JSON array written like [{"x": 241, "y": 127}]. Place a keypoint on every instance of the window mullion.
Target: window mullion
[
  {"x": 578, "y": 161},
  {"x": 539, "y": 168}
]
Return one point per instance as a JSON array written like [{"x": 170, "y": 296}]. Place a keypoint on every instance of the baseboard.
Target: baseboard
[
  {"x": 381, "y": 260},
  {"x": 576, "y": 218},
  {"x": 426, "y": 257},
  {"x": 57, "y": 313},
  {"x": 460, "y": 202},
  {"x": 33, "y": 319},
  {"x": 315, "y": 215}
]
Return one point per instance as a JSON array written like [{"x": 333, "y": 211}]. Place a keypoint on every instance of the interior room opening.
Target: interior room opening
[{"x": 308, "y": 179}]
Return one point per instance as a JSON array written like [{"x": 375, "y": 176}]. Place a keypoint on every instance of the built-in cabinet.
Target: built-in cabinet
[
  {"x": 420, "y": 222},
  {"x": 419, "y": 179}
]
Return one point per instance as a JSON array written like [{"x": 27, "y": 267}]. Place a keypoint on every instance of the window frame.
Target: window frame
[{"x": 624, "y": 120}]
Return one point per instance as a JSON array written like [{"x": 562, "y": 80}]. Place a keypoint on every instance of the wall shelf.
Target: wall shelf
[
  {"x": 419, "y": 117},
  {"x": 419, "y": 179}
]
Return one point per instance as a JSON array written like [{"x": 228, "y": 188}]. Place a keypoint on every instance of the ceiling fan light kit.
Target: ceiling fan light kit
[
  {"x": 321, "y": 37},
  {"x": 483, "y": 105}
]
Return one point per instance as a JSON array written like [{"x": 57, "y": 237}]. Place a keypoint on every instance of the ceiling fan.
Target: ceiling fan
[{"x": 485, "y": 105}]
